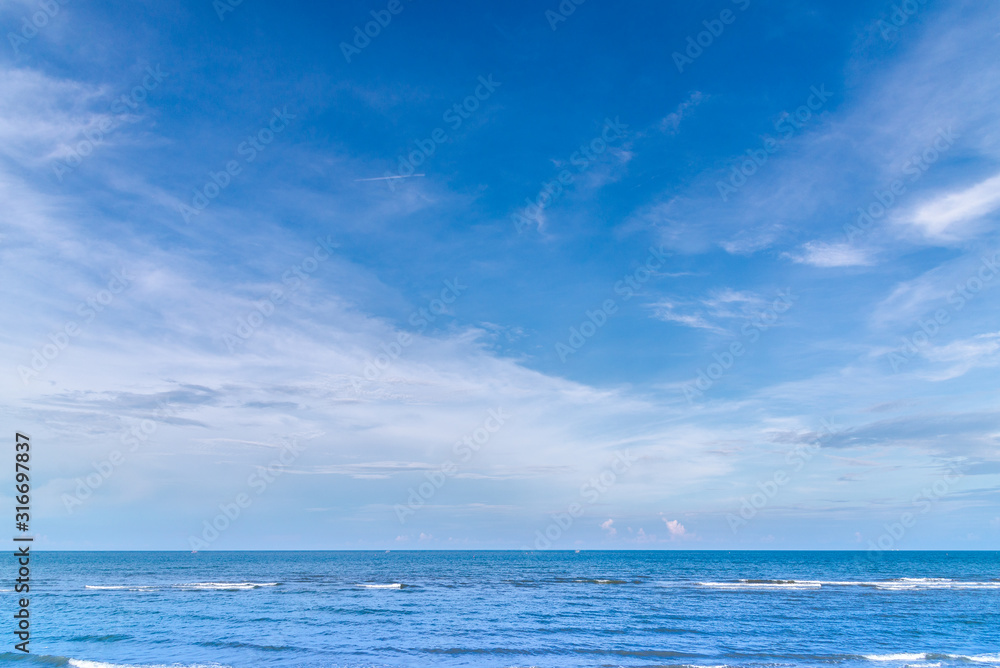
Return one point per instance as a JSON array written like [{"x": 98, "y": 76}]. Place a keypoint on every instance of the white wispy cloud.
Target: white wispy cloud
[
  {"x": 666, "y": 311},
  {"x": 914, "y": 297},
  {"x": 821, "y": 174},
  {"x": 950, "y": 215},
  {"x": 41, "y": 115},
  {"x": 822, "y": 254},
  {"x": 960, "y": 357},
  {"x": 713, "y": 312},
  {"x": 672, "y": 121}
]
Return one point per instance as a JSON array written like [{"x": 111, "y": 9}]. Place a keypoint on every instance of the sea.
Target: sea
[{"x": 503, "y": 609}]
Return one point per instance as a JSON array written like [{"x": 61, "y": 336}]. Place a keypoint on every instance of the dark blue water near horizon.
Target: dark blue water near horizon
[{"x": 503, "y": 609}]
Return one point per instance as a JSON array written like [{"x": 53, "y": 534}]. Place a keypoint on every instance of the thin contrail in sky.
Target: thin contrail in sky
[{"x": 386, "y": 178}]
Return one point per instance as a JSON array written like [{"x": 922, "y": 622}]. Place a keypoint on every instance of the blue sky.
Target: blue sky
[{"x": 443, "y": 280}]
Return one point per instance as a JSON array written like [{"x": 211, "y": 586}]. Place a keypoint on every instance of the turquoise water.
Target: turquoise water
[{"x": 512, "y": 609}]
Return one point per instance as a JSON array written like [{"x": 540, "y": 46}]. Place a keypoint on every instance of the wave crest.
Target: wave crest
[
  {"x": 188, "y": 586},
  {"x": 394, "y": 585}
]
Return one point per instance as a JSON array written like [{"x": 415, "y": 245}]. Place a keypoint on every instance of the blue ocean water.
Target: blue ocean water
[{"x": 663, "y": 608}]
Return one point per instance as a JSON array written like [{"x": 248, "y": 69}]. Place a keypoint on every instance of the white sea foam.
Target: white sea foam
[
  {"x": 190, "y": 586},
  {"x": 225, "y": 585},
  {"x": 775, "y": 584},
  {"x": 83, "y": 663},
  {"x": 911, "y": 583},
  {"x": 983, "y": 658},
  {"x": 904, "y": 656},
  {"x": 898, "y": 584},
  {"x": 933, "y": 583},
  {"x": 394, "y": 585}
]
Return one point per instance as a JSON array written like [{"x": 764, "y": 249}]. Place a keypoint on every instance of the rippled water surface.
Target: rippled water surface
[{"x": 245, "y": 609}]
